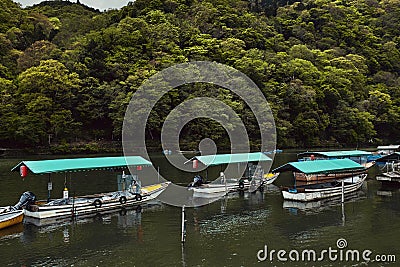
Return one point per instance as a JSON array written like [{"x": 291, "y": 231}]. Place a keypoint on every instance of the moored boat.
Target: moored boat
[
  {"x": 391, "y": 170},
  {"x": 323, "y": 190},
  {"x": 253, "y": 179},
  {"x": 387, "y": 150},
  {"x": 130, "y": 193},
  {"x": 9, "y": 218},
  {"x": 358, "y": 156}
]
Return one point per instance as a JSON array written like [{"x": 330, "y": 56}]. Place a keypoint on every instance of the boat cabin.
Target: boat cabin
[
  {"x": 358, "y": 156},
  {"x": 320, "y": 170}
]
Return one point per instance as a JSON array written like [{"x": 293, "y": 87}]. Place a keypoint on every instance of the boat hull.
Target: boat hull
[
  {"x": 229, "y": 187},
  {"x": 392, "y": 177},
  {"x": 311, "y": 194},
  {"x": 11, "y": 218},
  {"x": 90, "y": 206}
]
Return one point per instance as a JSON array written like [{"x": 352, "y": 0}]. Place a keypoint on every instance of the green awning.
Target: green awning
[
  {"x": 392, "y": 157},
  {"x": 212, "y": 160},
  {"x": 335, "y": 154},
  {"x": 81, "y": 164},
  {"x": 321, "y": 166}
]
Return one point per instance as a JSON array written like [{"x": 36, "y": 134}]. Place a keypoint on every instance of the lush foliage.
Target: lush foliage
[{"x": 329, "y": 69}]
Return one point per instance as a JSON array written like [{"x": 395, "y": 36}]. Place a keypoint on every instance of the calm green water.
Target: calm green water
[{"x": 228, "y": 232}]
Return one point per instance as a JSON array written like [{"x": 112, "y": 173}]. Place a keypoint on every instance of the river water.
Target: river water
[{"x": 228, "y": 232}]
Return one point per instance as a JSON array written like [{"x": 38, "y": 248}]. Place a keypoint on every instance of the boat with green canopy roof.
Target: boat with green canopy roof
[
  {"x": 130, "y": 192},
  {"x": 358, "y": 156},
  {"x": 337, "y": 186},
  {"x": 254, "y": 176}
]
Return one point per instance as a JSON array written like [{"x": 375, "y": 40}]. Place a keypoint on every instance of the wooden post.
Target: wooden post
[
  {"x": 224, "y": 178},
  {"x": 342, "y": 191},
  {"x": 343, "y": 215}
]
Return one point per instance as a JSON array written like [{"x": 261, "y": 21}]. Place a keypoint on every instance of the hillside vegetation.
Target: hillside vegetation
[{"x": 329, "y": 69}]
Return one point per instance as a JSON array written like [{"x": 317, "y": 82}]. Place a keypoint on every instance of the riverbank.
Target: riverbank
[{"x": 107, "y": 147}]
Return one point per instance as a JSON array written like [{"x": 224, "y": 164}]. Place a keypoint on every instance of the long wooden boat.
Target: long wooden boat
[
  {"x": 232, "y": 185},
  {"x": 92, "y": 204},
  {"x": 131, "y": 194},
  {"x": 316, "y": 191},
  {"x": 255, "y": 177},
  {"x": 10, "y": 218},
  {"x": 358, "y": 156},
  {"x": 325, "y": 190}
]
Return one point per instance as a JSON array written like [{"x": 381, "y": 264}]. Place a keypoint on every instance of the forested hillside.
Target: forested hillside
[{"x": 329, "y": 69}]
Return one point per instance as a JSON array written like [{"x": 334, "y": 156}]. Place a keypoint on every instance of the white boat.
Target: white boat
[
  {"x": 92, "y": 204},
  {"x": 222, "y": 185},
  {"x": 324, "y": 190},
  {"x": 316, "y": 191},
  {"x": 130, "y": 195},
  {"x": 233, "y": 185},
  {"x": 387, "y": 150},
  {"x": 391, "y": 170}
]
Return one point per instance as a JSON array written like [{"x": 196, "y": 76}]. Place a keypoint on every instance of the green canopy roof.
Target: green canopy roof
[
  {"x": 211, "y": 160},
  {"x": 335, "y": 154},
  {"x": 81, "y": 164},
  {"x": 321, "y": 166},
  {"x": 392, "y": 157}
]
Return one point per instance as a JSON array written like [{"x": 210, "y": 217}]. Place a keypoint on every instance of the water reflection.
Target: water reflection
[
  {"x": 313, "y": 207},
  {"x": 12, "y": 231},
  {"x": 228, "y": 232}
]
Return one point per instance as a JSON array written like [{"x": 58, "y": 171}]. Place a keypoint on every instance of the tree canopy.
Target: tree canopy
[{"x": 329, "y": 69}]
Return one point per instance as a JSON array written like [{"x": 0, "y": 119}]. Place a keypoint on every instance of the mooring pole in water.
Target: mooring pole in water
[
  {"x": 342, "y": 191},
  {"x": 343, "y": 215},
  {"x": 183, "y": 232},
  {"x": 49, "y": 188}
]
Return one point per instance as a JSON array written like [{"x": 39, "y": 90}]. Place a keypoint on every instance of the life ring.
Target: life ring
[
  {"x": 122, "y": 200},
  {"x": 97, "y": 203},
  {"x": 241, "y": 185},
  {"x": 138, "y": 197}
]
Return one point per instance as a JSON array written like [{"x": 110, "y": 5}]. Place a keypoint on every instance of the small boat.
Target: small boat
[
  {"x": 391, "y": 170},
  {"x": 387, "y": 150},
  {"x": 10, "y": 217},
  {"x": 323, "y": 190},
  {"x": 130, "y": 193},
  {"x": 254, "y": 179},
  {"x": 358, "y": 156},
  {"x": 275, "y": 151}
]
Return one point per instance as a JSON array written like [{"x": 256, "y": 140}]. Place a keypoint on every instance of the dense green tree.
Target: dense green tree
[{"x": 46, "y": 102}]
